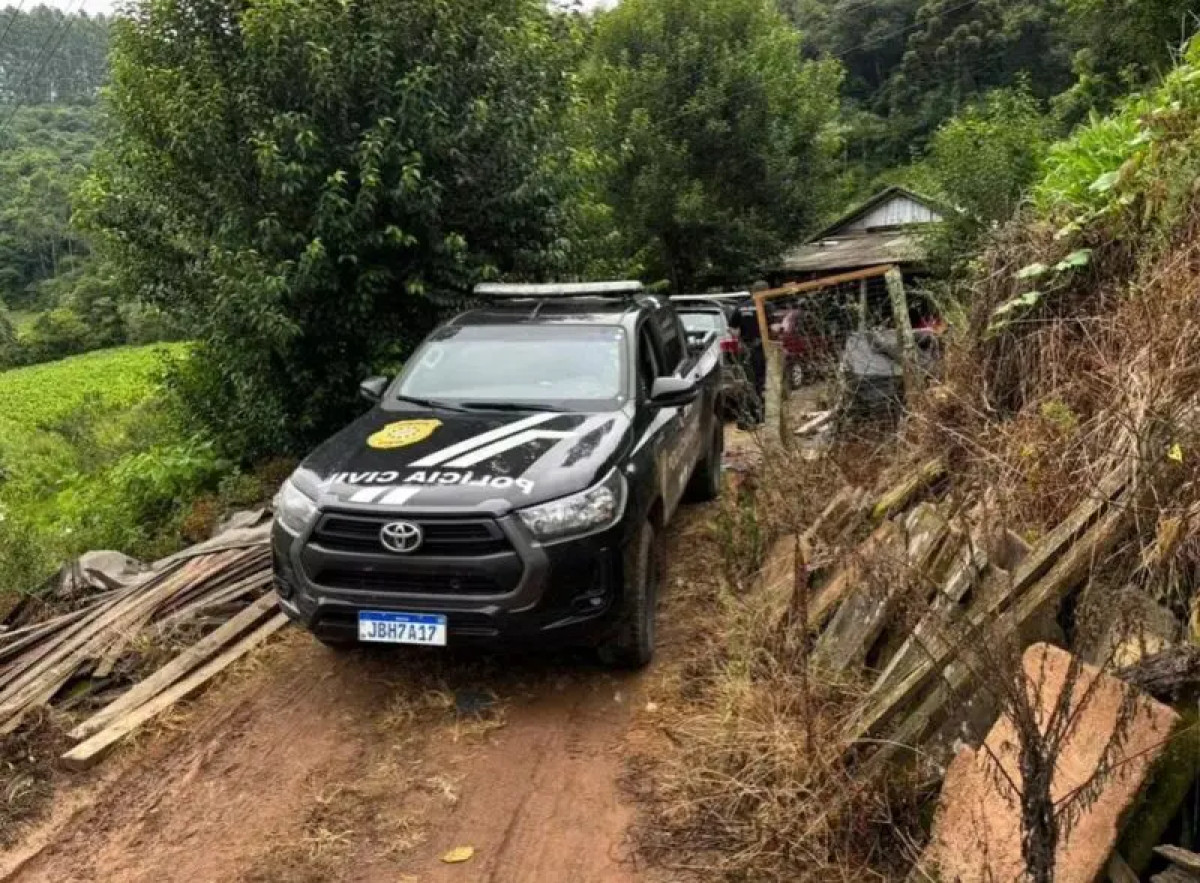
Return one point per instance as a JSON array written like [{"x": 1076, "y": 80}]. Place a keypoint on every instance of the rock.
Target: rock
[
  {"x": 1135, "y": 627},
  {"x": 977, "y": 831}
]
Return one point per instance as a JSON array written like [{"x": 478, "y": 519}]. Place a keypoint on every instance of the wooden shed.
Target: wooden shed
[{"x": 886, "y": 229}]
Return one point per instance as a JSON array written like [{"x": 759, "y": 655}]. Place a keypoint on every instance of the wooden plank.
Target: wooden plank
[
  {"x": 930, "y": 659},
  {"x": 178, "y": 667},
  {"x": 49, "y": 649},
  {"x": 23, "y": 691},
  {"x": 835, "y": 512},
  {"x": 814, "y": 423},
  {"x": 761, "y": 297},
  {"x": 825, "y": 600},
  {"x": 90, "y": 751},
  {"x": 24, "y": 638},
  {"x": 926, "y": 636},
  {"x": 902, "y": 494},
  {"x": 908, "y": 346},
  {"x": 1180, "y": 857},
  {"x": 862, "y": 617},
  {"x": 235, "y": 565},
  {"x": 215, "y": 598},
  {"x": 1025, "y": 600}
]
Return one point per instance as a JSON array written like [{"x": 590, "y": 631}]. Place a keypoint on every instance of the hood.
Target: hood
[{"x": 448, "y": 460}]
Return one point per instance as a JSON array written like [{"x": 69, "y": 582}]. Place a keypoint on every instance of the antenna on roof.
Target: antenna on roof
[{"x": 504, "y": 290}]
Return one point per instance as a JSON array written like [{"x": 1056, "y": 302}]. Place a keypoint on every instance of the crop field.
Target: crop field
[
  {"x": 90, "y": 459},
  {"x": 38, "y": 395}
]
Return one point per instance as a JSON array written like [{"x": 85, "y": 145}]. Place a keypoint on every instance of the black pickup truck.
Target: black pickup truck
[{"x": 512, "y": 482}]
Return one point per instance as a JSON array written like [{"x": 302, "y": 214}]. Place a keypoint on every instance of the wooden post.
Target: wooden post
[
  {"x": 904, "y": 331},
  {"x": 864, "y": 305},
  {"x": 764, "y": 329},
  {"x": 773, "y": 392}
]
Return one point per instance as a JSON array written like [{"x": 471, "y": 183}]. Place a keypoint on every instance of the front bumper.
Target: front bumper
[{"x": 516, "y": 591}]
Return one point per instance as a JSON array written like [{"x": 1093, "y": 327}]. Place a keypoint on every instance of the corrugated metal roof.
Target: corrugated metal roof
[{"x": 851, "y": 252}]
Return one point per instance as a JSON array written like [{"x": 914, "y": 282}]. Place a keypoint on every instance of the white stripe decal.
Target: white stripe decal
[
  {"x": 481, "y": 454},
  {"x": 367, "y": 495},
  {"x": 439, "y": 457},
  {"x": 399, "y": 496}
]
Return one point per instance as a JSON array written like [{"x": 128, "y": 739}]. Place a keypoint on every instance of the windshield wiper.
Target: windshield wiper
[
  {"x": 431, "y": 403},
  {"x": 511, "y": 406}
]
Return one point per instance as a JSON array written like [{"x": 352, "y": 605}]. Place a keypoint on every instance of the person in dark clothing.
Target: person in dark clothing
[{"x": 755, "y": 354}]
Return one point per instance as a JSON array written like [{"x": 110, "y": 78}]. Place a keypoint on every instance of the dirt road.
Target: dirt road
[{"x": 307, "y": 765}]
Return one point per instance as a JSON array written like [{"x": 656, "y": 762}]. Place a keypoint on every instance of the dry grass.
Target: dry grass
[
  {"x": 750, "y": 777},
  {"x": 747, "y": 778},
  {"x": 27, "y": 764}
]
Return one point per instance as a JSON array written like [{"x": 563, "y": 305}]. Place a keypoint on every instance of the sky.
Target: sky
[{"x": 93, "y": 7}]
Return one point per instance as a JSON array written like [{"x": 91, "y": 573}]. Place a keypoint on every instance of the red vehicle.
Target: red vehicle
[{"x": 811, "y": 343}]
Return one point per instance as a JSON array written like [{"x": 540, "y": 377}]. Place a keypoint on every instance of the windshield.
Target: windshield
[
  {"x": 575, "y": 367},
  {"x": 701, "y": 322}
]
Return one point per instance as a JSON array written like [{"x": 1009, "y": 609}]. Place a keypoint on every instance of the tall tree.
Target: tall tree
[
  {"x": 44, "y": 153},
  {"x": 718, "y": 133},
  {"x": 958, "y": 51},
  {"x": 51, "y": 57},
  {"x": 304, "y": 178}
]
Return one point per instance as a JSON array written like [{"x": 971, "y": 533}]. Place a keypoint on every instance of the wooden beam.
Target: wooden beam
[
  {"x": 902, "y": 494},
  {"x": 185, "y": 662},
  {"x": 908, "y": 344},
  {"x": 1180, "y": 858},
  {"x": 861, "y": 618},
  {"x": 1026, "y": 597},
  {"x": 761, "y": 297},
  {"x": 89, "y": 752}
]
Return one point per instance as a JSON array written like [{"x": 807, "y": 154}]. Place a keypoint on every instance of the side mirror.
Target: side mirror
[
  {"x": 372, "y": 389},
  {"x": 674, "y": 392}
]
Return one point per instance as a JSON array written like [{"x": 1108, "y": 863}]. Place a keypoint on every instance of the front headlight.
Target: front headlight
[
  {"x": 294, "y": 509},
  {"x": 597, "y": 508}
]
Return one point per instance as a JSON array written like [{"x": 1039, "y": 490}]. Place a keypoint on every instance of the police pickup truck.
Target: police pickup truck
[{"x": 512, "y": 483}]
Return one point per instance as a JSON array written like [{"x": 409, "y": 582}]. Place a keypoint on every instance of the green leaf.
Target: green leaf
[
  {"x": 1105, "y": 182},
  {"x": 1076, "y": 259},
  {"x": 1032, "y": 271}
]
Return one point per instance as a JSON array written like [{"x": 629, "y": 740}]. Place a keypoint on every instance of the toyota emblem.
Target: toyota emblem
[{"x": 402, "y": 537}]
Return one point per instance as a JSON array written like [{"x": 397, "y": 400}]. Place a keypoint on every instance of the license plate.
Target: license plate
[{"x": 402, "y": 628}]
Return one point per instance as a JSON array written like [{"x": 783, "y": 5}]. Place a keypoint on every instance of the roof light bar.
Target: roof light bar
[
  {"x": 625, "y": 288},
  {"x": 729, "y": 295}
]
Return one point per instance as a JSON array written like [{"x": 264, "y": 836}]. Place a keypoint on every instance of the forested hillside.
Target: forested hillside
[{"x": 52, "y": 67}]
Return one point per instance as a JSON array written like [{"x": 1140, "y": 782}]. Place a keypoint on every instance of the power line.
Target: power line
[
  {"x": 875, "y": 41},
  {"x": 40, "y": 63},
  {"x": 11, "y": 21}
]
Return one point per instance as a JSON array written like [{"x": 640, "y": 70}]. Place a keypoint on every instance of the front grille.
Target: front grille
[
  {"x": 443, "y": 536},
  {"x": 411, "y": 582}
]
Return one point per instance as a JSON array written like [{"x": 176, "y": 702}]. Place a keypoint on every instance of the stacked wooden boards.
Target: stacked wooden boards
[
  {"x": 915, "y": 605},
  {"x": 173, "y": 605}
]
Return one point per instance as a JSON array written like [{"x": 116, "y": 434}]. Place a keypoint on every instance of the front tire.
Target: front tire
[
  {"x": 631, "y": 644},
  {"x": 705, "y": 484}
]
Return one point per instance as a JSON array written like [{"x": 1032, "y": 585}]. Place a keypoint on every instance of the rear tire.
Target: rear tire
[
  {"x": 705, "y": 484},
  {"x": 631, "y": 644}
]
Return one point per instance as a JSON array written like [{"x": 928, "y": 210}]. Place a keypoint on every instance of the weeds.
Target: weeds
[
  {"x": 749, "y": 778},
  {"x": 26, "y": 772}
]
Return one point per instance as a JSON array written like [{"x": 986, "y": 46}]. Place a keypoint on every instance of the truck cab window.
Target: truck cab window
[{"x": 647, "y": 362}]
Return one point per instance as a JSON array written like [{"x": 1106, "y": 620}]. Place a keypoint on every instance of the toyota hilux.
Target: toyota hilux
[{"x": 512, "y": 483}]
